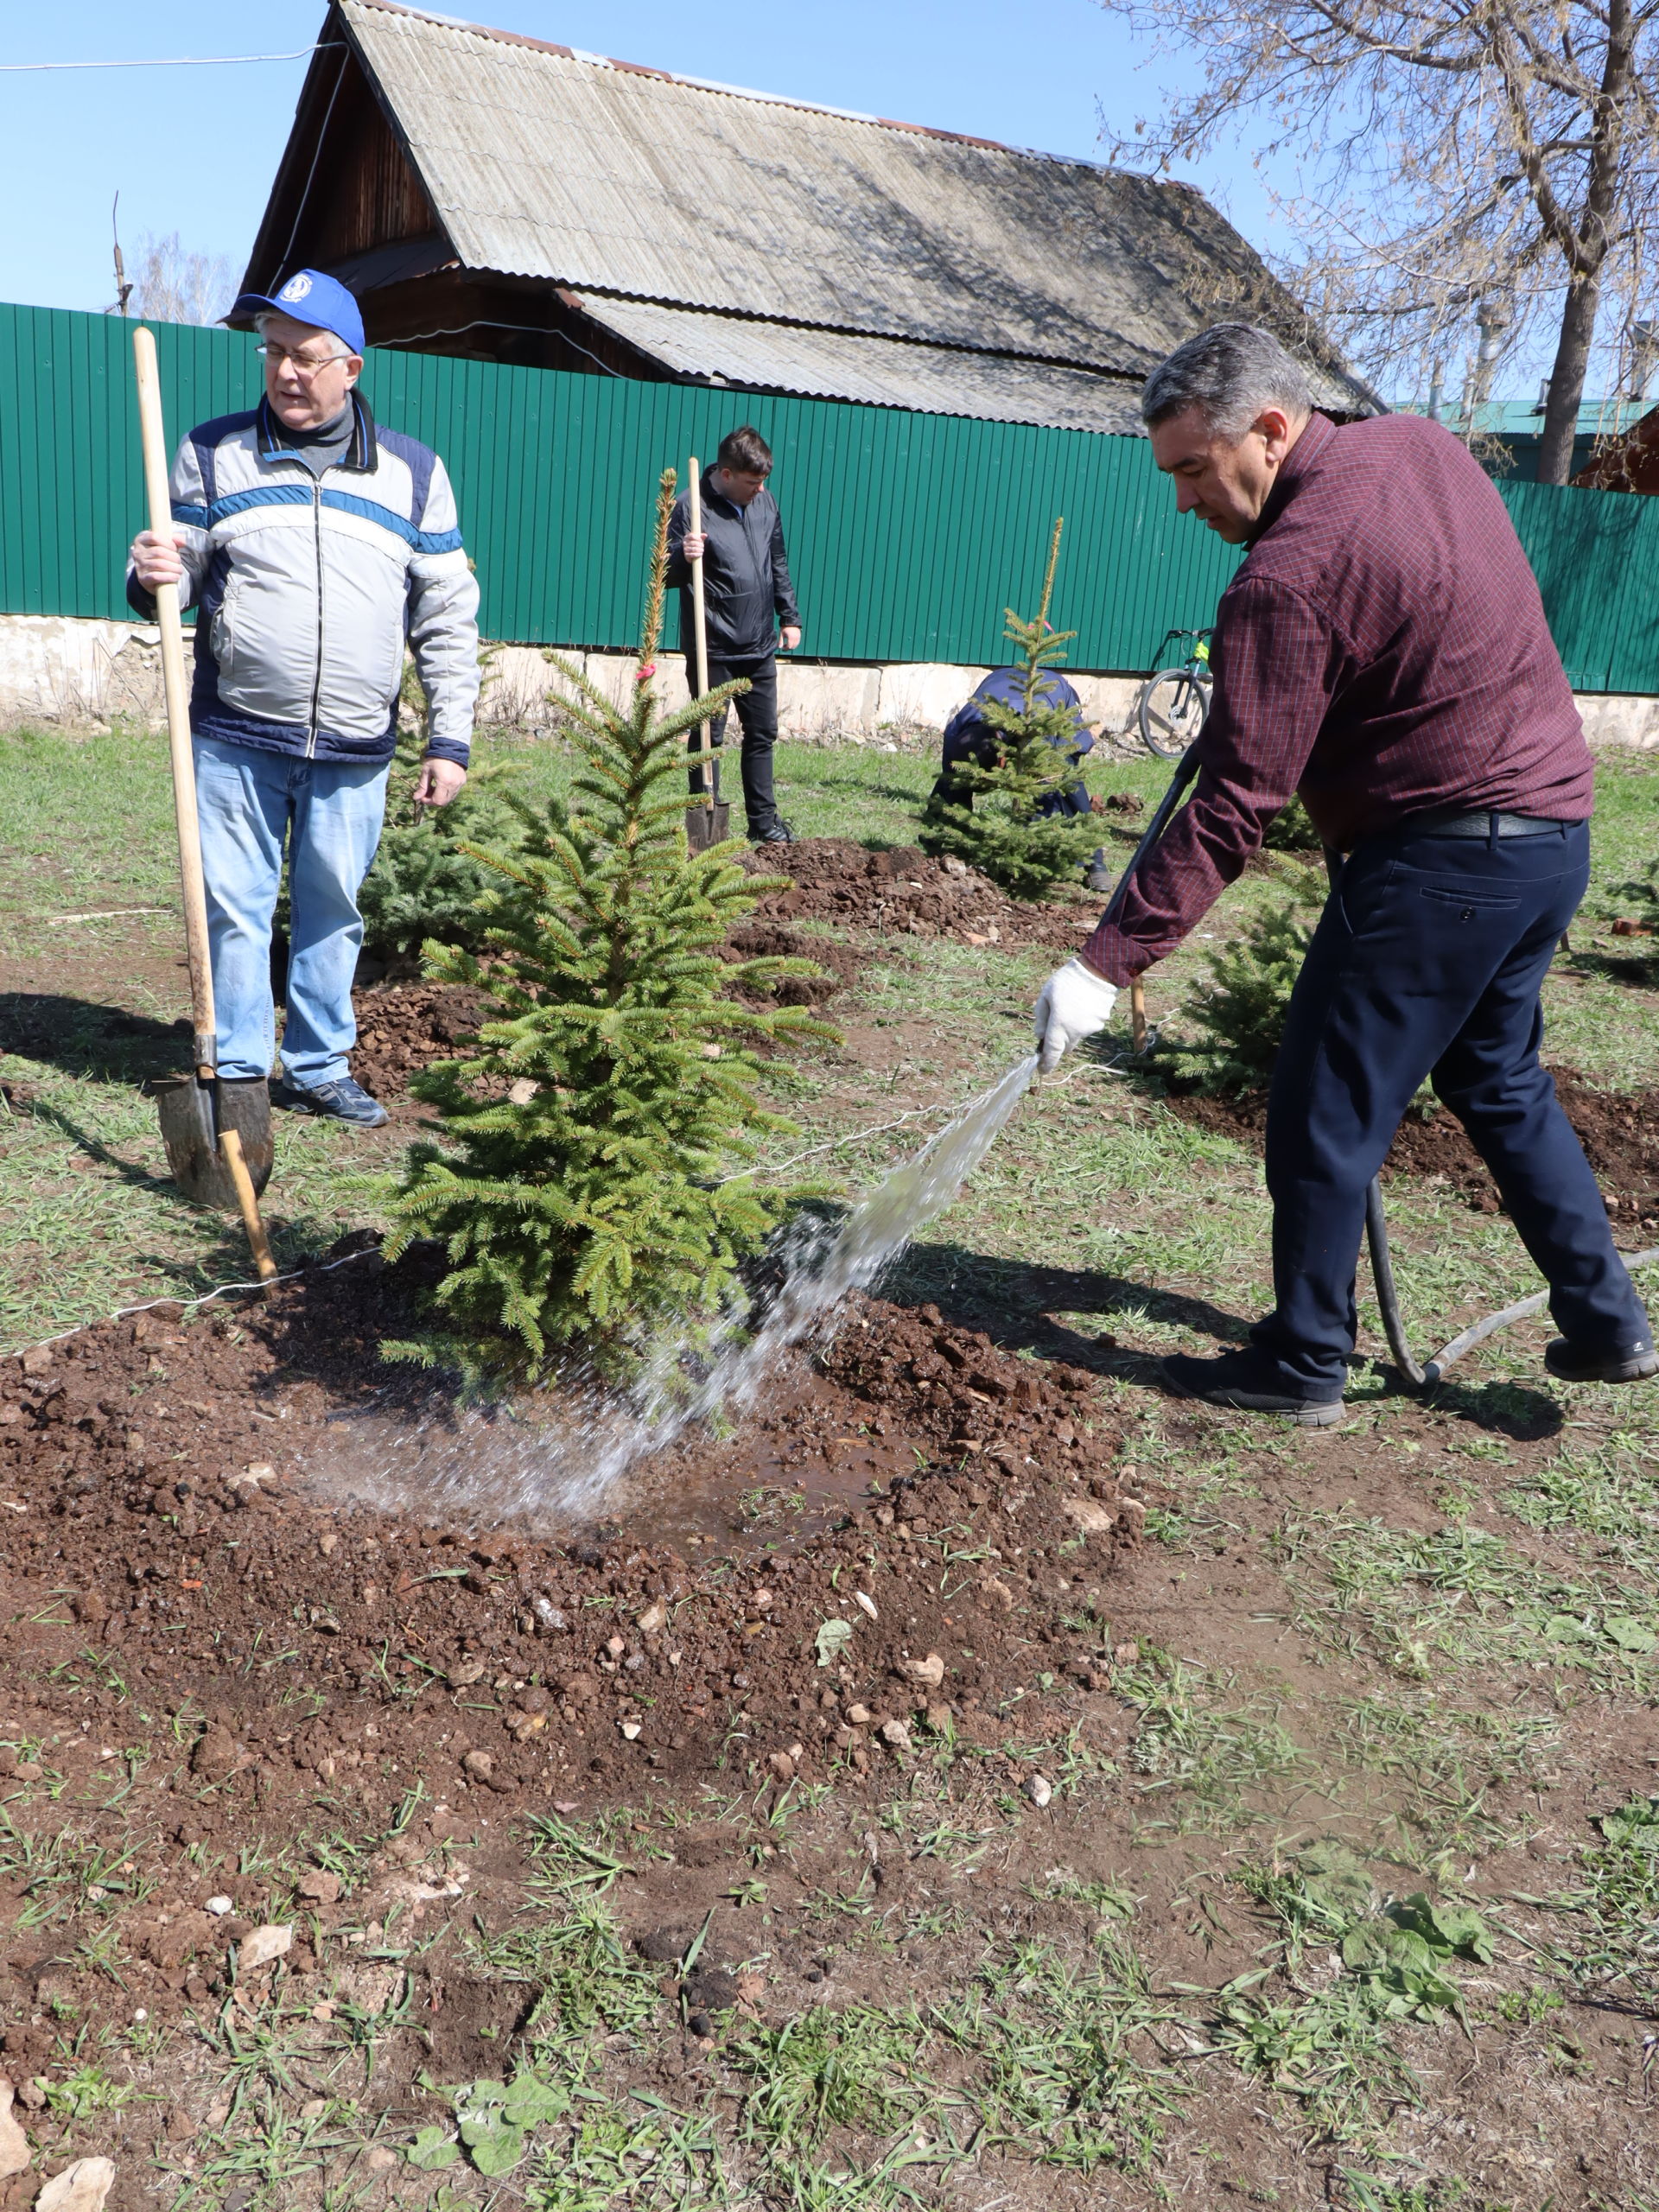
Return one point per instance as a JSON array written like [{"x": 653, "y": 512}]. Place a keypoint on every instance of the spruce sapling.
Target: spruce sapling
[
  {"x": 423, "y": 886},
  {"x": 1002, "y": 830},
  {"x": 1241, "y": 1005},
  {"x": 584, "y": 1188}
]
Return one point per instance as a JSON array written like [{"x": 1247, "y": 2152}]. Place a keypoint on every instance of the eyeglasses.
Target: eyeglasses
[{"x": 303, "y": 364}]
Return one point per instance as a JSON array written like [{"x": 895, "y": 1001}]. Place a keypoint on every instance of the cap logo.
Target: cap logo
[{"x": 297, "y": 288}]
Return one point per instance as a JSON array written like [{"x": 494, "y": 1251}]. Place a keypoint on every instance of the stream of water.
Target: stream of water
[{"x": 496, "y": 1472}]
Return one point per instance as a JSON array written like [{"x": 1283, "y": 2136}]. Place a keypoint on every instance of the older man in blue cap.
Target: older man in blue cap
[{"x": 314, "y": 543}]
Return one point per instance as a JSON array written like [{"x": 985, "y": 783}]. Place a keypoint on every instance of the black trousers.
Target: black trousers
[
  {"x": 757, "y": 715},
  {"x": 1428, "y": 962}
]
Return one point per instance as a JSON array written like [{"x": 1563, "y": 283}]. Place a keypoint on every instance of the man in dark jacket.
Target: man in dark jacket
[{"x": 746, "y": 595}]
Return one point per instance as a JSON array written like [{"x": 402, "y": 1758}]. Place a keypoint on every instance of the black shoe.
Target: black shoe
[
  {"x": 1246, "y": 1380},
  {"x": 1097, "y": 876},
  {"x": 341, "y": 1101},
  {"x": 1571, "y": 1363},
  {"x": 777, "y": 832}
]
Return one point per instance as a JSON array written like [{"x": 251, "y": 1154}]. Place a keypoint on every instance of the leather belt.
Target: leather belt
[{"x": 1479, "y": 825}]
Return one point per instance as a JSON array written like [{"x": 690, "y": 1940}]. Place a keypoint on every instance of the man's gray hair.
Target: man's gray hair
[
  {"x": 1230, "y": 373},
  {"x": 266, "y": 316}
]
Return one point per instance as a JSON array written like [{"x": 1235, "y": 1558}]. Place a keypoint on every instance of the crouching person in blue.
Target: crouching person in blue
[
  {"x": 313, "y": 542},
  {"x": 969, "y": 736}
]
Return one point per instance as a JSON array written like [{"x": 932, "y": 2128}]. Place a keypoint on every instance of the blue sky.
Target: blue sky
[{"x": 194, "y": 150}]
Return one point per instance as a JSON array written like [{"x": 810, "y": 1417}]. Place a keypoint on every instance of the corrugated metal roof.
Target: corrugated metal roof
[
  {"x": 543, "y": 163},
  {"x": 877, "y": 371}
]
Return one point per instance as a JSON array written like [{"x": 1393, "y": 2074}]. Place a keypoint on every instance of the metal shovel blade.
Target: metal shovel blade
[
  {"x": 192, "y": 1113},
  {"x": 708, "y": 825}
]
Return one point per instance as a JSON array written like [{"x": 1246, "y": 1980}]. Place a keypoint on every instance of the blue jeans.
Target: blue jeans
[
  {"x": 328, "y": 814},
  {"x": 1428, "y": 962}
]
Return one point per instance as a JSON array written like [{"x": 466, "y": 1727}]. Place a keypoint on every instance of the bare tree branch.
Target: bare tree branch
[{"x": 1457, "y": 158}]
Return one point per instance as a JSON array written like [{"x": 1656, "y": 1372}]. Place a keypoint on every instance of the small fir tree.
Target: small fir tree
[
  {"x": 1003, "y": 831},
  {"x": 1239, "y": 1007},
  {"x": 424, "y": 886},
  {"x": 1292, "y": 830},
  {"x": 584, "y": 1187}
]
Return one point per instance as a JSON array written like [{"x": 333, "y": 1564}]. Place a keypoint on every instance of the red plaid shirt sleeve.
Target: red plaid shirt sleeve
[{"x": 1276, "y": 665}]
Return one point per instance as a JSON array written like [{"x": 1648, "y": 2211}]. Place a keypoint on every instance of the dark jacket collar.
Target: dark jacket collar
[
  {"x": 363, "y": 453},
  {"x": 1297, "y": 463}
]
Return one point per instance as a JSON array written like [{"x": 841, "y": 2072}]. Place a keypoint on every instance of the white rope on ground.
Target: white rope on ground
[{"x": 219, "y": 1290}]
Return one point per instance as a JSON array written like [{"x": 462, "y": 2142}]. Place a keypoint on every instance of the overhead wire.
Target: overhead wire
[{"x": 167, "y": 60}]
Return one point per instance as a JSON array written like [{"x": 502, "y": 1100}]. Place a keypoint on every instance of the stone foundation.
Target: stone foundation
[{"x": 74, "y": 674}]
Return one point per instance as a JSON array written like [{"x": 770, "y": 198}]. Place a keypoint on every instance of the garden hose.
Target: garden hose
[{"x": 1419, "y": 1378}]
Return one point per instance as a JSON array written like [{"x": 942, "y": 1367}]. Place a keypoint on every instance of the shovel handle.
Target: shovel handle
[
  {"x": 699, "y": 625},
  {"x": 1138, "y": 1015},
  {"x": 159, "y": 501},
  {"x": 230, "y": 1143}
]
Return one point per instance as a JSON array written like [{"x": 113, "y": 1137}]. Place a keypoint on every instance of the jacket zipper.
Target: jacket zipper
[{"x": 316, "y": 682}]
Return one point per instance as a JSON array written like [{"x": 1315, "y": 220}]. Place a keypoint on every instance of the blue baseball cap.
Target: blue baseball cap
[{"x": 308, "y": 296}]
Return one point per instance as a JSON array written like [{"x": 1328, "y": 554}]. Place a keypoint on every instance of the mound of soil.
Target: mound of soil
[
  {"x": 767, "y": 940},
  {"x": 402, "y": 1027},
  {"x": 167, "y": 1525},
  {"x": 903, "y": 890},
  {"x": 1619, "y": 1131}
]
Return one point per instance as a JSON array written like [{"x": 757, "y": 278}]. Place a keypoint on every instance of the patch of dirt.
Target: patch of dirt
[
  {"x": 902, "y": 891},
  {"x": 165, "y": 1515},
  {"x": 1619, "y": 1131},
  {"x": 178, "y": 1582},
  {"x": 768, "y": 940},
  {"x": 404, "y": 1026}
]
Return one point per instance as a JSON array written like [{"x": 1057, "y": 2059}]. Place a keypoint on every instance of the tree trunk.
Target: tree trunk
[{"x": 1567, "y": 379}]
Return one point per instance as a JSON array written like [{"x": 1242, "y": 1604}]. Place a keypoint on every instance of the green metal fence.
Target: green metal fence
[{"x": 908, "y": 534}]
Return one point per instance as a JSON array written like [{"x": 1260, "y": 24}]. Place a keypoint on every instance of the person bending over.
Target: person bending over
[{"x": 1381, "y": 651}]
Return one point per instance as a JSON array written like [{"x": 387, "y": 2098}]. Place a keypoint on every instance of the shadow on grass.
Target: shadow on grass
[
  {"x": 99, "y": 1044},
  {"x": 1017, "y": 1305},
  {"x": 1635, "y": 970}
]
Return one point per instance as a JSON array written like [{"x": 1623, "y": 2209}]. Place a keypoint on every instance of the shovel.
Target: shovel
[
  {"x": 709, "y": 816},
  {"x": 217, "y": 1134}
]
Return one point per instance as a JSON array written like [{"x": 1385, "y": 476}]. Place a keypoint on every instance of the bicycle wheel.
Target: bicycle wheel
[{"x": 1173, "y": 704}]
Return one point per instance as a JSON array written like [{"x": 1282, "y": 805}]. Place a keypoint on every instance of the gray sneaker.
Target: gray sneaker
[{"x": 340, "y": 1101}]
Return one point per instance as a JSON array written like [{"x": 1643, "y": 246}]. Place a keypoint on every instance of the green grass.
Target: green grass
[{"x": 1458, "y": 1620}]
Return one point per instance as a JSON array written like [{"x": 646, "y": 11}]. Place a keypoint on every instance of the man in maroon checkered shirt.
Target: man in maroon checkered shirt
[{"x": 1381, "y": 651}]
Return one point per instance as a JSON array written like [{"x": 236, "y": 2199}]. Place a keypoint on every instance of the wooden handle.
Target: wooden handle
[
  {"x": 700, "y": 628},
  {"x": 230, "y": 1143},
  {"x": 176, "y": 685},
  {"x": 1138, "y": 1015}
]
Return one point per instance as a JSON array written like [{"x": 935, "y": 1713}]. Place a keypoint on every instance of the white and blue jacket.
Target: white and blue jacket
[{"x": 306, "y": 588}]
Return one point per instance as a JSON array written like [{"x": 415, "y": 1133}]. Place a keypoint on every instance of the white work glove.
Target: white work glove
[{"x": 1076, "y": 1003}]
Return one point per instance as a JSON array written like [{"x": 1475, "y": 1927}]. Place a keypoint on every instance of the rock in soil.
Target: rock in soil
[
  {"x": 14, "y": 2144},
  {"x": 80, "y": 2188}
]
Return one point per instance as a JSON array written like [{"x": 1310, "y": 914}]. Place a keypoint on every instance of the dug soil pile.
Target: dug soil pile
[
  {"x": 175, "y": 1562},
  {"x": 902, "y": 891},
  {"x": 1619, "y": 1131},
  {"x": 404, "y": 1026}
]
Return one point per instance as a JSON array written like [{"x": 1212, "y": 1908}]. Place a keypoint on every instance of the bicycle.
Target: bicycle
[{"x": 1173, "y": 704}]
